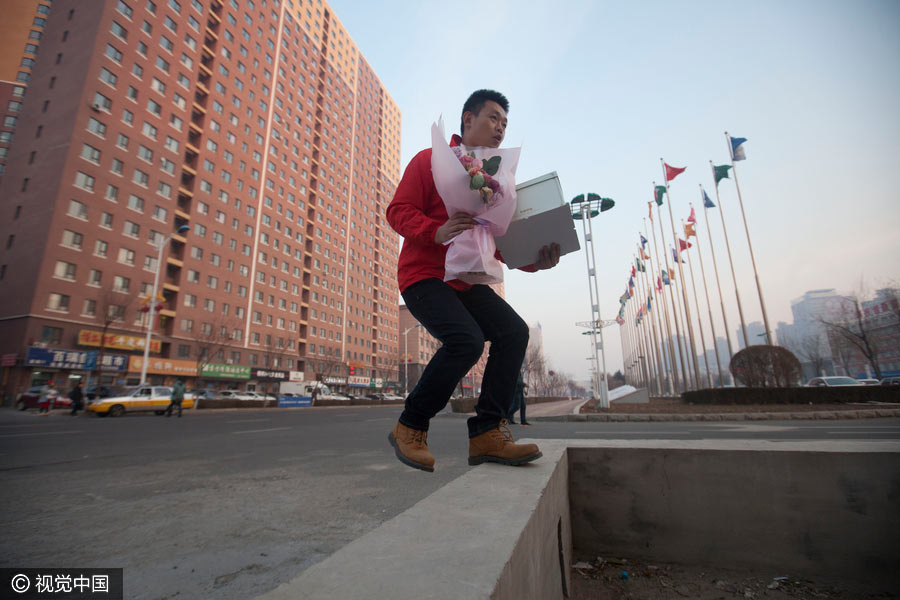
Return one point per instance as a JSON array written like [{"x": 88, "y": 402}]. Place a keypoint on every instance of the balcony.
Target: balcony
[
  {"x": 170, "y": 287},
  {"x": 198, "y": 108},
  {"x": 186, "y": 168},
  {"x": 181, "y": 215},
  {"x": 195, "y": 128},
  {"x": 205, "y": 69},
  {"x": 172, "y": 261}
]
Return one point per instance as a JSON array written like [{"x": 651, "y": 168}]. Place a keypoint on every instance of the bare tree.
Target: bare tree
[
  {"x": 210, "y": 339},
  {"x": 851, "y": 327},
  {"x": 535, "y": 369},
  {"x": 325, "y": 366},
  {"x": 111, "y": 306},
  {"x": 811, "y": 349}
]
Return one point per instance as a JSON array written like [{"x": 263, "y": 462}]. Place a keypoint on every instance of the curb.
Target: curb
[{"x": 886, "y": 413}]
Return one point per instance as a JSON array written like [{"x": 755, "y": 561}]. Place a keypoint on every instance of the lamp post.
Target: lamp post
[
  {"x": 584, "y": 209},
  {"x": 406, "y": 358},
  {"x": 181, "y": 229}
]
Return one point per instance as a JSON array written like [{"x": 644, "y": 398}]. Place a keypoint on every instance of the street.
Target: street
[{"x": 229, "y": 503}]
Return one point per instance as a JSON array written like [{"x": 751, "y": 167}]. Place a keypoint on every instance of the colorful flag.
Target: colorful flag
[
  {"x": 623, "y": 299},
  {"x": 675, "y": 254},
  {"x": 643, "y": 241},
  {"x": 693, "y": 217},
  {"x": 633, "y": 271},
  {"x": 659, "y": 283},
  {"x": 737, "y": 153},
  {"x": 650, "y": 210},
  {"x": 706, "y": 201},
  {"x": 620, "y": 320},
  {"x": 665, "y": 278},
  {"x": 640, "y": 265},
  {"x": 721, "y": 172},
  {"x": 683, "y": 245},
  {"x": 631, "y": 281},
  {"x": 658, "y": 193},
  {"x": 648, "y": 303},
  {"x": 644, "y": 255},
  {"x": 689, "y": 230},
  {"x": 673, "y": 172}
]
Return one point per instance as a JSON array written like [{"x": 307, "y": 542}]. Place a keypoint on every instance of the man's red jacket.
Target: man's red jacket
[{"x": 416, "y": 212}]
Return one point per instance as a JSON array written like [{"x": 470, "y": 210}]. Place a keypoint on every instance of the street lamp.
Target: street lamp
[
  {"x": 406, "y": 358},
  {"x": 584, "y": 209},
  {"x": 163, "y": 244}
]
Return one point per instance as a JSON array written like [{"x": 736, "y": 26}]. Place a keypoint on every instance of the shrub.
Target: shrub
[{"x": 765, "y": 366}]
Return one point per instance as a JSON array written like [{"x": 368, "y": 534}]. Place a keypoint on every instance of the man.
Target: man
[
  {"x": 77, "y": 397},
  {"x": 176, "y": 398},
  {"x": 460, "y": 315}
]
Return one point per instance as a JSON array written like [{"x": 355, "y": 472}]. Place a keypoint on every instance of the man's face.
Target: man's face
[{"x": 487, "y": 128}]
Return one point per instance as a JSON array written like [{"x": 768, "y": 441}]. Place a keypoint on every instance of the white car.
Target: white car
[{"x": 833, "y": 381}]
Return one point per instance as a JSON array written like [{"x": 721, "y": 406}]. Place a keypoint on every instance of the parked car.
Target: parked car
[
  {"x": 833, "y": 381},
  {"x": 92, "y": 392},
  {"x": 891, "y": 381},
  {"x": 389, "y": 397},
  {"x": 31, "y": 399},
  {"x": 869, "y": 381},
  {"x": 204, "y": 394},
  {"x": 143, "y": 398},
  {"x": 235, "y": 395}
]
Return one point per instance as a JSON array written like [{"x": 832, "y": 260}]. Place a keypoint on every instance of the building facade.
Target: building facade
[{"x": 242, "y": 154}]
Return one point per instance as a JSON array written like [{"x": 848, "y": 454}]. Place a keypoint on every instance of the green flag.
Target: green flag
[
  {"x": 660, "y": 190},
  {"x": 721, "y": 172}
]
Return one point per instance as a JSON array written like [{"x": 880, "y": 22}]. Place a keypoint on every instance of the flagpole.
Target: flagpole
[
  {"x": 737, "y": 294},
  {"x": 648, "y": 273},
  {"x": 683, "y": 342},
  {"x": 687, "y": 240},
  {"x": 687, "y": 312},
  {"x": 652, "y": 378},
  {"x": 684, "y": 380},
  {"x": 672, "y": 368},
  {"x": 664, "y": 366},
  {"x": 712, "y": 325},
  {"x": 762, "y": 303}
]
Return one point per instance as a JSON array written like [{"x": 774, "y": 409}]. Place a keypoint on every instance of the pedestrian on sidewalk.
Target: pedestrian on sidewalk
[
  {"x": 77, "y": 398},
  {"x": 461, "y": 315},
  {"x": 176, "y": 398},
  {"x": 48, "y": 398},
  {"x": 518, "y": 403}
]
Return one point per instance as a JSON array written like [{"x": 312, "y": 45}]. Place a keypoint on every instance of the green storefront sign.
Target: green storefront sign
[{"x": 225, "y": 371}]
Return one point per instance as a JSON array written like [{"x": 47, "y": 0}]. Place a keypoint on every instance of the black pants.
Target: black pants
[
  {"x": 463, "y": 321},
  {"x": 173, "y": 403}
]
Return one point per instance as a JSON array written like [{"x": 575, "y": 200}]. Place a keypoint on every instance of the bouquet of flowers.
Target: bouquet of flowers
[
  {"x": 480, "y": 171},
  {"x": 481, "y": 182}
]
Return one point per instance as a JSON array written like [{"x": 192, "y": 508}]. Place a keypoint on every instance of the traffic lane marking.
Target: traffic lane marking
[
  {"x": 11, "y": 435},
  {"x": 261, "y": 430}
]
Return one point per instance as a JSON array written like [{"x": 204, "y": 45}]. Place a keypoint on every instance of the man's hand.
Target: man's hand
[
  {"x": 454, "y": 226},
  {"x": 548, "y": 257}
]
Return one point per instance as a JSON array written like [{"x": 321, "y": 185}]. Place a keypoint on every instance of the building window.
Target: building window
[
  {"x": 58, "y": 302},
  {"x": 78, "y": 210},
  {"x": 89, "y": 309},
  {"x": 72, "y": 239},
  {"x": 51, "y": 335},
  {"x": 64, "y": 270},
  {"x": 126, "y": 256}
]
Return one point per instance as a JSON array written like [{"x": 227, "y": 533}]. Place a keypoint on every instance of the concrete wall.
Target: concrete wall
[{"x": 792, "y": 512}]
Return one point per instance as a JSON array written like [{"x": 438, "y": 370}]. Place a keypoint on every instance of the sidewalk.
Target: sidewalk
[{"x": 567, "y": 410}]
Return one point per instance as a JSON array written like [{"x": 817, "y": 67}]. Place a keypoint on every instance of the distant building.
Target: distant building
[
  {"x": 881, "y": 322},
  {"x": 757, "y": 333}
]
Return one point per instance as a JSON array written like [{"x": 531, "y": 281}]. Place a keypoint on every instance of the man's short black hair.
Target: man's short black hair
[{"x": 476, "y": 102}]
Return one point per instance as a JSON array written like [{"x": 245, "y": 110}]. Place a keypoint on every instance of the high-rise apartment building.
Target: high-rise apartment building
[
  {"x": 21, "y": 30},
  {"x": 249, "y": 145}
]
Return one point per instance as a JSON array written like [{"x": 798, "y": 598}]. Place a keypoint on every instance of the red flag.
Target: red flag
[
  {"x": 658, "y": 284},
  {"x": 650, "y": 208},
  {"x": 683, "y": 245},
  {"x": 693, "y": 217},
  {"x": 633, "y": 271},
  {"x": 673, "y": 172}
]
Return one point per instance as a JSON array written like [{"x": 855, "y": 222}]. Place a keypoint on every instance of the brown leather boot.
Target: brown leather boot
[
  {"x": 410, "y": 447},
  {"x": 497, "y": 445}
]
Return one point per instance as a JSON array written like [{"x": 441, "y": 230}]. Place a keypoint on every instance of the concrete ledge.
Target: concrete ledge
[
  {"x": 496, "y": 532},
  {"x": 822, "y": 508}
]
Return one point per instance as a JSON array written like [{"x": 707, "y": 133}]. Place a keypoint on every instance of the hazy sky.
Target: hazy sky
[{"x": 599, "y": 91}]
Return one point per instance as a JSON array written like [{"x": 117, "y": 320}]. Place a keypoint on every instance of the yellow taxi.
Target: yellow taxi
[{"x": 144, "y": 398}]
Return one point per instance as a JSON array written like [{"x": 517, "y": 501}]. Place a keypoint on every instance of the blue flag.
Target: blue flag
[
  {"x": 737, "y": 153},
  {"x": 643, "y": 242},
  {"x": 665, "y": 277},
  {"x": 707, "y": 202}
]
